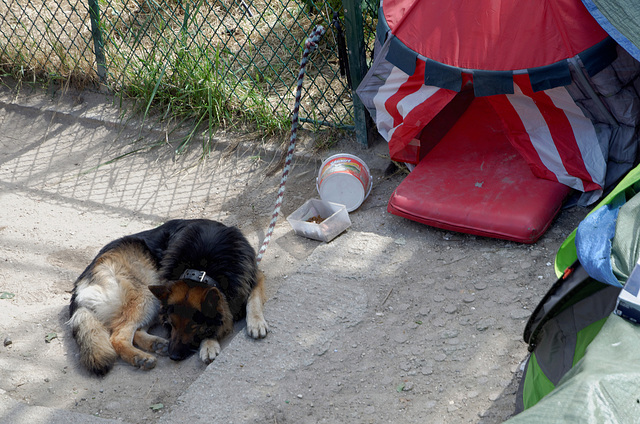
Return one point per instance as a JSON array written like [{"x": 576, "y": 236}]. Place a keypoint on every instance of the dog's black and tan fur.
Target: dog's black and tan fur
[{"x": 135, "y": 280}]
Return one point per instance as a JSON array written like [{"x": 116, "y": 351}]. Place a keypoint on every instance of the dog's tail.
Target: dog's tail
[{"x": 96, "y": 351}]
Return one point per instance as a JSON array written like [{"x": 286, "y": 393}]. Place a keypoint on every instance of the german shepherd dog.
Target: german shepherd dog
[{"x": 196, "y": 276}]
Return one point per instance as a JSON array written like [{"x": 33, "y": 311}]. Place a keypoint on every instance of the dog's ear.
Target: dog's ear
[
  {"x": 209, "y": 305},
  {"x": 160, "y": 291}
]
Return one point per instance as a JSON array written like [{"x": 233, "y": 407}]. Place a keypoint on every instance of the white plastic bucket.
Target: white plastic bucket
[{"x": 344, "y": 179}]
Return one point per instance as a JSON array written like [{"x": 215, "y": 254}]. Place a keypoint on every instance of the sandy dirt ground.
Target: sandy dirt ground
[{"x": 440, "y": 315}]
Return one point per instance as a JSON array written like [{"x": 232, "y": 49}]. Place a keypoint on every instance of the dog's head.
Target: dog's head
[{"x": 195, "y": 313}]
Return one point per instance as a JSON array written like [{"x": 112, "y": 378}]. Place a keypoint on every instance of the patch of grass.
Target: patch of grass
[
  {"x": 184, "y": 82},
  {"x": 328, "y": 138}
]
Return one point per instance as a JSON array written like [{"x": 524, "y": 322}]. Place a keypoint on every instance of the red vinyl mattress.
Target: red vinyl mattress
[{"x": 473, "y": 181}]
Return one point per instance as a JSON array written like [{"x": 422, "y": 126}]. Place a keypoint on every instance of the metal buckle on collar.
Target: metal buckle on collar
[
  {"x": 195, "y": 275},
  {"x": 202, "y": 276}
]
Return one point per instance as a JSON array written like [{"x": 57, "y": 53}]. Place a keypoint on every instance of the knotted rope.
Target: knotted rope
[{"x": 309, "y": 46}]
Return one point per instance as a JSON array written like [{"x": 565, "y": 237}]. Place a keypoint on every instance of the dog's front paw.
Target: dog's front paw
[
  {"x": 257, "y": 327},
  {"x": 209, "y": 349},
  {"x": 161, "y": 347},
  {"x": 145, "y": 362}
]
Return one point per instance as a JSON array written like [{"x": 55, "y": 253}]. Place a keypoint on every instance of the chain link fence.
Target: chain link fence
[{"x": 245, "y": 53}]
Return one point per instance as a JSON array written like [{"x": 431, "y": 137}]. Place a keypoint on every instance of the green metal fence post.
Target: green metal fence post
[
  {"x": 94, "y": 14},
  {"x": 357, "y": 64}
]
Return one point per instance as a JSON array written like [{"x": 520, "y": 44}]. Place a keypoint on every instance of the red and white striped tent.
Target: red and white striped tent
[{"x": 565, "y": 92}]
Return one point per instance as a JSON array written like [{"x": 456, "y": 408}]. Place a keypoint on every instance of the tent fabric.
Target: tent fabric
[
  {"x": 492, "y": 35},
  {"x": 571, "y": 107},
  {"x": 555, "y": 137},
  {"x": 601, "y": 388},
  {"x": 610, "y": 99},
  {"x": 567, "y": 253},
  {"x": 625, "y": 249},
  {"x": 594, "y": 240},
  {"x": 402, "y": 106},
  {"x": 492, "y": 40},
  {"x": 620, "y": 19},
  {"x": 567, "y": 323},
  {"x": 607, "y": 241},
  {"x": 551, "y": 132},
  {"x": 559, "y": 330}
]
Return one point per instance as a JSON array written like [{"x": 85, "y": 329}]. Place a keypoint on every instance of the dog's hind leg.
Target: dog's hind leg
[
  {"x": 151, "y": 343},
  {"x": 256, "y": 324},
  {"x": 138, "y": 311},
  {"x": 122, "y": 338}
]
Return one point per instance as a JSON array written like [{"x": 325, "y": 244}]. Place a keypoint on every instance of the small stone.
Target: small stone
[
  {"x": 483, "y": 324},
  {"x": 440, "y": 357},
  {"x": 7, "y": 341},
  {"x": 400, "y": 337},
  {"x": 451, "y": 309},
  {"x": 450, "y": 349},
  {"x": 480, "y": 286},
  {"x": 408, "y": 386},
  {"x": 424, "y": 311},
  {"x": 427, "y": 371},
  {"x": 448, "y": 334},
  {"x": 467, "y": 320},
  {"x": 520, "y": 313}
]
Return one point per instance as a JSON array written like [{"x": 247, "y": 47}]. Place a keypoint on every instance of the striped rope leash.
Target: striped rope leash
[{"x": 309, "y": 46}]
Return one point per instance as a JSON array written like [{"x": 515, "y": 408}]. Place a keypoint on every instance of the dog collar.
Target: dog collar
[{"x": 201, "y": 276}]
